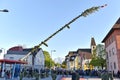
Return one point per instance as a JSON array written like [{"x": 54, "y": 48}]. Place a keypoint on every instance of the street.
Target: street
[{"x": 59, "y": 77}]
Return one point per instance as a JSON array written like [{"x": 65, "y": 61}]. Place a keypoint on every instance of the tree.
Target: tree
[
  {"x": 48, "y": 60},
  {"x": 63, "y": 64},
  {"x": 57, "y": 64},
  {"x": 98, "y": 58},
  {"x": 100, "y": 62}
]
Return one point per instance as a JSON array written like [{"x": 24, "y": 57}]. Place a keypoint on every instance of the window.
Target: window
[
  {"x": 0, "y": 51},
  {"x": 112, "y": 38},
  {"x": 111, "y": 65},
  {"x": 114, "y": 65},
  {"x": 12, "y": 58},
  {"x": 113, "y": 51},
  {"x": 109, "y": 53}
]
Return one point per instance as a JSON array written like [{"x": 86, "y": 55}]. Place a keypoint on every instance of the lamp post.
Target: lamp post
[
  {"x": 2, "y": 50},
  {"x": 51, "y": 58},
  {"x": 4, "y": 10}
]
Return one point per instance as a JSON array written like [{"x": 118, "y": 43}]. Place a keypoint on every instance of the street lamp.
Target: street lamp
[
  {"x": 51, "y": 58},
  {"x": 4, "y": 10},
  {"x": 2, "y": 50}
]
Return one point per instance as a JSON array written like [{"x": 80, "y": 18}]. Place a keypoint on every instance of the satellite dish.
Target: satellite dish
[{"x": 0, "y": 51}]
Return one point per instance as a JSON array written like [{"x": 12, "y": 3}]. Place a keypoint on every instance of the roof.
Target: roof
[
  {"x": 93, "y": 42},
  {"x": 116, "y": 26},
  {"x": 85, "y": 50},
  {"x": 71, "y": 53},
  {"x": 7, "y": 61},
  {"x": 23, "y": 52}
]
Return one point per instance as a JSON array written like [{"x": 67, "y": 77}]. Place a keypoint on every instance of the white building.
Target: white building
[
  {"x": 16, "y": 53},
  {"x": 112, "y": 47}
]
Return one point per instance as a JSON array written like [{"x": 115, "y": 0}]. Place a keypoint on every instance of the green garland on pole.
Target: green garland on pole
[{"x": 83, "y": 14}]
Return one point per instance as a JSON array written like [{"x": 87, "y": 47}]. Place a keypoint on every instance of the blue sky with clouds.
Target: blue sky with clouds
[{"x": 29, "y": 22}]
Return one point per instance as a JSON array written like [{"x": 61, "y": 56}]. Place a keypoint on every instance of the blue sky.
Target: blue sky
[{"x": 29, "y": 22}]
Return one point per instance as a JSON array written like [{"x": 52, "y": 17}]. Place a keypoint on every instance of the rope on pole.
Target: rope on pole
[{"x": 83, "y": 14}]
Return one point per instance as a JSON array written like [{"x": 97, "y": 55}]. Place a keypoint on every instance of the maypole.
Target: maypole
[{"x": 83, "y": 14}]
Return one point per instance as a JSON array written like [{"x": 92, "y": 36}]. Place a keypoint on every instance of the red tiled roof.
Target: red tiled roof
[{"x": 16, "y": 48}]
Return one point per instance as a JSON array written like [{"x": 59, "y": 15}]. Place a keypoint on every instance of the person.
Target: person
[
  {"x": 75, "y": 76},
  {"x": 111, "y": 75},
  {"x": 118, "y": 74},
  {"x": 104, "y": 75}
]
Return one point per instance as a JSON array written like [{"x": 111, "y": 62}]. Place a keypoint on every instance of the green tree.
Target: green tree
[
  {"x": 48, "y": 60},
  {"x": 63, "y": 64},
  {"x": 57, "y": 64},
  {"x": 98, "y": 59},
  {"x": 100, "y": 62}
]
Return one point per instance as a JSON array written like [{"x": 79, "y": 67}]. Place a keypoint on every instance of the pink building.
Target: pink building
[{"x": 112, "y": 46}]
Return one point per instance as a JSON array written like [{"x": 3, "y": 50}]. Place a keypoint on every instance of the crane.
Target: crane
[{"x": 84, "y": 14}]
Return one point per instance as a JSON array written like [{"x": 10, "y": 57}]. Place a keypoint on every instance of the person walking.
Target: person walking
[
  {"x": 104, "y": 75},
  {"x": 110, "y": 75},
  {"x": 75, "y": 75}
]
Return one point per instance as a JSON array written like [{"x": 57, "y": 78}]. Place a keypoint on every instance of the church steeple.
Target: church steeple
[
  {"x": 93, "y": 42},
  {"x": 93, "y": 45}
]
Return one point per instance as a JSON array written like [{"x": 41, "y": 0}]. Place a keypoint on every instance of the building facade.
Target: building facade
[
  {"x": 17, "y": 52},
  {"x": 112, "y": 46},
  {"x": 81, "y": 58}
]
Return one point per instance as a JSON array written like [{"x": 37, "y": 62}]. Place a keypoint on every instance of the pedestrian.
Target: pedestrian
[
  {"x": 73, "y": 75},
  {"x": 104, "y": 75},
  {"x": 77, "y": 76},
  {"x": 118, "y": 74},
  {"x": 111, "y": 75}
]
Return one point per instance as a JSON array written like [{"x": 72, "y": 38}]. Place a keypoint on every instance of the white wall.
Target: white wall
[
  {"x": 13, "y": 57},
  {"x": 112, "y": 58},
  {"x": 39, "y": 60}
]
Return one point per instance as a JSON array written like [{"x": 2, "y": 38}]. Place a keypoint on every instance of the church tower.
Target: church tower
[{"x": 93, "y": 46}]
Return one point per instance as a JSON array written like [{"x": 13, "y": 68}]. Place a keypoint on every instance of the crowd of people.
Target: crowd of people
[{"x": 76, "y": 74}]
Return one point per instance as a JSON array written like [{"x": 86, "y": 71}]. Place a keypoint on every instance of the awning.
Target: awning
[{"x": 8, "y": 61}]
